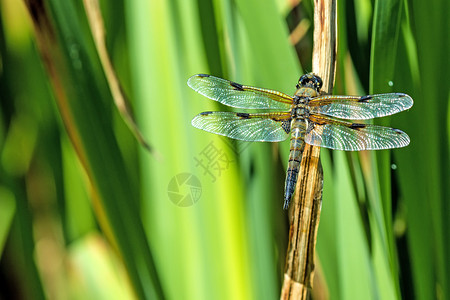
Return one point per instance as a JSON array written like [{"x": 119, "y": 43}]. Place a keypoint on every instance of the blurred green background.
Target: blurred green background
[{"x": 92, "y": 215}]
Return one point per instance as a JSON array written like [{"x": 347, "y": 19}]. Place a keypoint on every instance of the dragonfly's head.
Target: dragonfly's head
[{"x": 310, "y": 80}]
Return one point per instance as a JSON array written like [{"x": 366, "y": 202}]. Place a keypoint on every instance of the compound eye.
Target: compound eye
[
  {"x": 301, "y": 81},
  {"x": 319, "y": 82}
]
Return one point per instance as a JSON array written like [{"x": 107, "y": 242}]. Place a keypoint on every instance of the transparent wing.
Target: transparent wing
[
  {"x": 236, "y": 95},
  {"x": 245, "y": 127},
  {"x": 340, "y": 135},
  {"x": 361, "y": 108}
]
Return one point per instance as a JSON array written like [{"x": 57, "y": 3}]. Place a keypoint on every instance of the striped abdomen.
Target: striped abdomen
[{"x": 295, "y": 156}]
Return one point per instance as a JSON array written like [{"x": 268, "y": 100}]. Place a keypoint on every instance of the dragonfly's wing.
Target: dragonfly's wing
[
  {"x": 236, "y": 95},
  {"x": 361, "y": 108},
  {"x": 339, "y": 135},
  {"x": 270, "y": 127}
]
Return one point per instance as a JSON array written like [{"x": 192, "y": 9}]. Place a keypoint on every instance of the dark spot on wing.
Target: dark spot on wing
[
  {"x": 357, "y": 126},
  {"x": 237, "y": 86},
  {"x": 243, "y": 115},
  {"x": 398, "y": 131},
  {"x": 365, "y": 98},
  {"x": 206, "y": 113},
  {"x": 203, "y": 75},
  {"x": 286, "y": 125}
]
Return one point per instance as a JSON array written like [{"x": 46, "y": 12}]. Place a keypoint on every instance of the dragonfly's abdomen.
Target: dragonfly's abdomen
[{"x": 295, "y": 156}]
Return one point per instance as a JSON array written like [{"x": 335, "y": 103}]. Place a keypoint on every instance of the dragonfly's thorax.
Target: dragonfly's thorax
[
  {"x": 306, "y": 92},
  {"x": 308, "y": 87},
  {"x": 300, "y": 108},
  {"x": 300, "y": 111}
]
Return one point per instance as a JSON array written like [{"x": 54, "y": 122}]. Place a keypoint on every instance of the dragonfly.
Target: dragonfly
[{"x": 309, "y": 117}]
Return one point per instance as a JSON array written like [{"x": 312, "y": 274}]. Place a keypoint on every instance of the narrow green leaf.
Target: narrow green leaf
[
  {"x": 385, "y": 33},
  {"x": 7, "y": 210}
]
